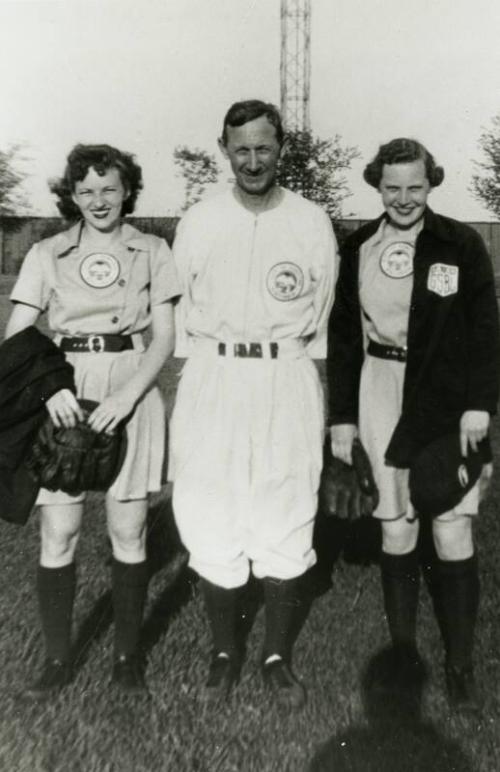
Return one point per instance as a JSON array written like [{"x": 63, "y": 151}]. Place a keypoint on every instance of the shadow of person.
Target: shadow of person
[{"x": 396, "y": 737}]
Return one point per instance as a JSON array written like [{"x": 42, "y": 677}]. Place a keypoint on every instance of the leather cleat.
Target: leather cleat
[
  {"x": 54, "y": 676},
  {"x": 287, "y": 690},
  {"x": 223, "y": 674},
  {"x": 462, "y": 690},
  {"x": 128, "y": 675}
]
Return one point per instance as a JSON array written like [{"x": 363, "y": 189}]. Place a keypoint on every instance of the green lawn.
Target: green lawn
[{"x": 89, "y": 728}]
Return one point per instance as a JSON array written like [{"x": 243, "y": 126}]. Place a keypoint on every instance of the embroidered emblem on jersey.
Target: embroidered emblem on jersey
[
  {"x": 285, "y": 281},
  {"x": 443, "y": 279},
  {"x": 396, "y": 261},
  {"x": 99, "y": 270}
]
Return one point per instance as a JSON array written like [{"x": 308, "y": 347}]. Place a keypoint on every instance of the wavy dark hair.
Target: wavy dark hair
[
  {"x": 402, "y": 151},
  {"x": 101, "y": 158},
  {"x": 242, "y": 112}
]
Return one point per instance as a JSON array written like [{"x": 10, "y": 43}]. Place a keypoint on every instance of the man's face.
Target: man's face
[
  {"x": 253, "y": 152},
  {"x": 404, "y": 189}
]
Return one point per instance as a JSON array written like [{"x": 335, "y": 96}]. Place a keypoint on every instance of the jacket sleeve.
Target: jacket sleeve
[
  {"x": 345, "y": 342},
  {"x": 481, "y": 310}
]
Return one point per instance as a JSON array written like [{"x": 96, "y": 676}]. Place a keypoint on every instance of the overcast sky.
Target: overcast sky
[{"x": 152, "y": 74}]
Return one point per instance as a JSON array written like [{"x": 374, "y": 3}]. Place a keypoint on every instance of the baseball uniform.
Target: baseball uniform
[
  {"x": 96, "y": 294},
  {"x": 248, "y": 423}
]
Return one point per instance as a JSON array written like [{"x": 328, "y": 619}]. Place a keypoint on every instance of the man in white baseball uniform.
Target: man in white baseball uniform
[{"x": 257, "y": 265}]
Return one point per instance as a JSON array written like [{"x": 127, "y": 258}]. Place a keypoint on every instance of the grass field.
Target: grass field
[{"x": 90, "y": 728}]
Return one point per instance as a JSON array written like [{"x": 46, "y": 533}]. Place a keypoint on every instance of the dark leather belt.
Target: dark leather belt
[
  {"x": 387, "y": 352},
  {"x": 97, "y": 343},
  {"x": 250, "y": 350}
]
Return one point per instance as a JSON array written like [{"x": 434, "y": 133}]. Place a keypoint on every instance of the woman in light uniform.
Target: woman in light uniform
[
  {"x": 412, "y": 356},
  {"x": 103, "y": 283}
]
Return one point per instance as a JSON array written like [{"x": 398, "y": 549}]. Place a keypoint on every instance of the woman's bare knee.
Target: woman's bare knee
[
  {"x": 453, "y": 538},
  {"x": 399, "y": 536},
  {"x": 59, "y": 530}
]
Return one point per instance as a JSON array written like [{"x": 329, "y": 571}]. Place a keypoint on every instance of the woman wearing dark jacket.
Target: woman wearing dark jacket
[{"x": 413, "y": 356}]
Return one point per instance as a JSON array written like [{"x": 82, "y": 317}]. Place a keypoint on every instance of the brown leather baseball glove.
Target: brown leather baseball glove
[
  {"x": 349, "y": 492},
  {"x": 76, "y": 459}
]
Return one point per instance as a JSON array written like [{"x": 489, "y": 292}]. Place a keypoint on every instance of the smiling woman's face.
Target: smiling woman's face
[
  {"x": 404, "y": 189},
  {"x": 100, "y": 199}
]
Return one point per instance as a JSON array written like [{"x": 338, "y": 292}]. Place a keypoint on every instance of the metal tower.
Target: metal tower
[{"x": 295, "y": 64}]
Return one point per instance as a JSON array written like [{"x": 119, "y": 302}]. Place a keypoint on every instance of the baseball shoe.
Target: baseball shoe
[
  {"x": 223, "y": 674},
  {"x": 286, "y": 689},
  {"x": 462, "y": 690},
  {"x": 128, "y": 675},
  {"x": 54, "y": 676}
]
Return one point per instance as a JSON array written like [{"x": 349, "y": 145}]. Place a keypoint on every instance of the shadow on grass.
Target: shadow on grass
[
  {"x": 166, "y": 554},
  {"x": 92, "y": 629},
  {"x": 396, "y": 737}
]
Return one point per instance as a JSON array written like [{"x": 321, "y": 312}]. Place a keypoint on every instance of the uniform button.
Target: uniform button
[
  {"x": 121, "y": 283},
  {"x": 115, "y": 320}
]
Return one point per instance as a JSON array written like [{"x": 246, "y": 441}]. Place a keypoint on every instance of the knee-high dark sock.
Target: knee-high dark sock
[
  {"x": 458, "y": 582},
  {"x": 129, "y": 590},
  {"x": 56, "y": 593},
  {"x": 221, "y": 605},
  {"x": 400, "y": 585},
  {"x": 281, "y": 605}
]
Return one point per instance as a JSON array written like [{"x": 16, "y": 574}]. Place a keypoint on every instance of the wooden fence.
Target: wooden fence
[{"x": 17, "y": 234}]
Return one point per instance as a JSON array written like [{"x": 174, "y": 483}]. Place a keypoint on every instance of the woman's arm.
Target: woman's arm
[
  {"x": 120, "y": 404},
  {"x": 22, "y": 316}
]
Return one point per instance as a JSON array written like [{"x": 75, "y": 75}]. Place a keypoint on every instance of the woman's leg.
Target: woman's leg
[
  {"x": 56, "y": 581},
  {"x": 400, "y": 574},
  {"x": 127, "y": 531},
  {"x": 458, "y": 593}
]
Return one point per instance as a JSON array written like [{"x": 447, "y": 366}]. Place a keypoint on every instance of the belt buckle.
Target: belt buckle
[
  {"x": 96, "y": 343},
  {"x": 240, "y": 350}
]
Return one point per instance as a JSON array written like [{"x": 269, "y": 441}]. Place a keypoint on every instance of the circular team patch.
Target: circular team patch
[
  {"x": 99, "y": 270},
  {"x": 396, "y": 260},
  {"x": 285, "y": 281}
]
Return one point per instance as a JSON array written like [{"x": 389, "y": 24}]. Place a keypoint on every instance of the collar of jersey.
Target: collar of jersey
[{"x": 131, "y": 239}]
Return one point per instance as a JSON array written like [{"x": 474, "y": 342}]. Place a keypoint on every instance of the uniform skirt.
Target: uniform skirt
[
  {"x": 96, "y": 377},
  {"x": 381, "y": 403}
]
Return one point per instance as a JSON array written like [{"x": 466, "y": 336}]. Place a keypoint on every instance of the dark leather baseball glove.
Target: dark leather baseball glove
[
  {"x": 76, "y": 459},
  {"x": 349, "y": 492}
]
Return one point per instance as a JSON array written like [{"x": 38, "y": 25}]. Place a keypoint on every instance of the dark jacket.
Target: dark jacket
[
  {"x": 32, "y": 369},
  {"x": 453, "y": 341}
]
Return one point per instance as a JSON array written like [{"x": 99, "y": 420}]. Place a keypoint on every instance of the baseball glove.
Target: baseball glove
[
  {"x": 349, "y": 492},
  {"x": 76, "y": 459}
]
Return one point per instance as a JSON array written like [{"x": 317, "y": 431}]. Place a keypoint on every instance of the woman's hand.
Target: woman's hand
[
  {"x": 341, "y": 437},
  {"x": 112, "y": 410},
  {"x": 474, "y": 426},
  {"x": 64, "y": 409}
]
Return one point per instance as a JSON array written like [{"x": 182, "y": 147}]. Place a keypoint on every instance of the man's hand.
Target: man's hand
[
  {"x": 474, "y": 426},
  {"x": 341, "y": 437}
]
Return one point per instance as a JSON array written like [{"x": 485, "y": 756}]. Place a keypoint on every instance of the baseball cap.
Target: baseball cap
[{"x": 440, "y": 476}]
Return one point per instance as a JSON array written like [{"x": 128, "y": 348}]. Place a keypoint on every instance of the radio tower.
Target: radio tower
[{"x": 295, "y": 65}]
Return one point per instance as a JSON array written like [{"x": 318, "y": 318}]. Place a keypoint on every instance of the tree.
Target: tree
[
  {"x": 199, "y": 169},
  {"x": 12, "y": 201},
  {"x": 313, "y": 167},
  {"x": 486, "y": 186}
]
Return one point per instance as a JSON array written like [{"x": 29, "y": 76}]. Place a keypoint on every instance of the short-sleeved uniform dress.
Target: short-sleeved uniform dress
[
  {"x": 385, "y": 289},
  {"x": 102, "y": 293},
  {"x": 247, "y": 431}
]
